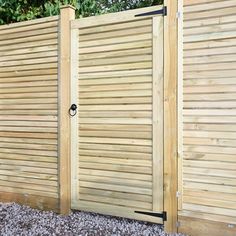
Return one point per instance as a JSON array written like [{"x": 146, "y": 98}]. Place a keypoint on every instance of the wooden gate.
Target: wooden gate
[{"x": 117, "y": 133}]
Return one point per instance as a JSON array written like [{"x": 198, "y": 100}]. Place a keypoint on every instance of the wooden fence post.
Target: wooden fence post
[
  {"x": 170, "y": 115},
  {"x": 67, "y": 14}
]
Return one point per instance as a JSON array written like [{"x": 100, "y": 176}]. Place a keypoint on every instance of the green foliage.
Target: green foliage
[{"x": 21, "y": 10}]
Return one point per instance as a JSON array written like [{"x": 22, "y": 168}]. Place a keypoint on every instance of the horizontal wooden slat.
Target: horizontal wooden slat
[
  {"x": 30, "y": 61},
  {"x": 210, "y": 180},
  {"x": 117, "y": 67},
  {"x": 211, "y": 112},
  {"x": 116, "y": 174},
  {"x": 28, "y": 23},
  {"x": 209, "y": 141},
  {"x": 227, "y": 42},
  {"x": 132, "y": 128},
  {"x": 210, "y": 51},
  {"x": 112, "y": 180},
  {"x": 26, "y": 34},
  {"x": 50, "y": 24},
  {"x": 115, "y": 154},
  {"x": 213, "y": 210},
  {"x": 209, "y": 74},
  {"x": 216, "y": 81},
  {"x": 219, "y": 220},
  {"x": 196, "y": 2},
  {"x": 212, "y": 134},
  {"x": 115, "y": 40},
  {"x": 210, "y": 21},
  {"x": 115, "y": 161},
  {"x": 25, "y": 157},
  {"x": 210, "y": 119},
  {"x": 213, "y": 12},
  {"x": 28, "y": 163},
  {"x": 29, "y": 175},
  {"x": 139, "y": 107},
  {"x": 116, "y": 80},
  {"x": 30, "y": 146},
  {"x": 116, "y": 33},
  {"x": 108, "y": 28},
  {"x": 29, "y": 78},
  {"x": 209, "y": 6},
  {"x": 209, "y": 96},
  {"x": 121, "y": 202},
  {"x": 116, "y": 141},
  {"x": 116, "y": 147},
  {"x": 28, "y": 180},
  {"x": 211, "y": 187},
  {"x": 210, "y": 29},
  {"x": 209, "y": 156},
  {"x": 29, "y": 135},
  {"x": 209, "y": 194},
  {"x": 31, "y": 39},
  {"x": 208, "y": 164},
  {"x": 205, "y": 37},
  {"x": 116, "y": 134},
  {"x": 120, "y": 50},
  {"x": 29, "y": 50},
  {"x": 119, "y": 195},
  {"x": 22, "y": 101},
  {"x": 97, "y": 88},
  {"x": 116, "y": 50},
  {"x": 117, "y": 100},
  {"x": 210, "y": 66},
  {"x": 115, "y": 60},
  {"x": 123, "y": 73},
  {"x": 29, "y": 58},
  {"x": 210, "y": 127},
  {"x": 112, "y": 94},
  {"x": 117, "y": 188},
  {"x": 29, "y": 152}
]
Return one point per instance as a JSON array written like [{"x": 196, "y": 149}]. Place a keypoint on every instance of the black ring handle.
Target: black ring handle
[{"x": 73, "y": 110}]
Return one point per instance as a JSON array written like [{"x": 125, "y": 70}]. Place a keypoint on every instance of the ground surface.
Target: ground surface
[{"x": 16, "y": 220}]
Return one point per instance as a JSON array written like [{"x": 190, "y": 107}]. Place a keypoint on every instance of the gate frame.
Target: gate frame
[{"x": 170, "y": 112}]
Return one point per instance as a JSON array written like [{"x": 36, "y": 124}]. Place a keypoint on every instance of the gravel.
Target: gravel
[{"x": 16, "y": 220}]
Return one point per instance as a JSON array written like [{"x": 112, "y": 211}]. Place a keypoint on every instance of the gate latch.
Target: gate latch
[{"x": 73, "y": 110}]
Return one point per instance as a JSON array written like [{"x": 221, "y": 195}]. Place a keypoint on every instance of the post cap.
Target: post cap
[{"x": 67, "y": 6}]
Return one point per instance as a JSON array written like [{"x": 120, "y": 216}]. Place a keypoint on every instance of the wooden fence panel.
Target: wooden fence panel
[
  {"x": 209, "y": 118},
  {"x": 28, "y": 113},
  {"x": 118, "y": 167}
]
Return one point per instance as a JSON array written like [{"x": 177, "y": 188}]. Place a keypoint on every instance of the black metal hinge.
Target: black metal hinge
[
  {"x": 162, "y": 11},
  {"x": 162, "y": 215}
]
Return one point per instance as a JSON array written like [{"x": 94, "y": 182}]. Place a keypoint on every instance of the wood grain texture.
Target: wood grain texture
[
  {"x": 120, "y": 117},
  {"x": 170, "y": 115},
  {"x": 34, "y": 201},
  {"x": 67, "y": 14},
  {"x": 157, "y": 113},
  {"x": 28, "y": 104},
  {"x": 180, "y": 104},
  {"x": 198, "y": 227},
  {"x": 209, "y": 118}
]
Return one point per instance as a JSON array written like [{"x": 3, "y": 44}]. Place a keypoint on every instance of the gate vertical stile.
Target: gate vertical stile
[
  {"x": 74, "y": 119},
  {"x": 157, "y": 112}
]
